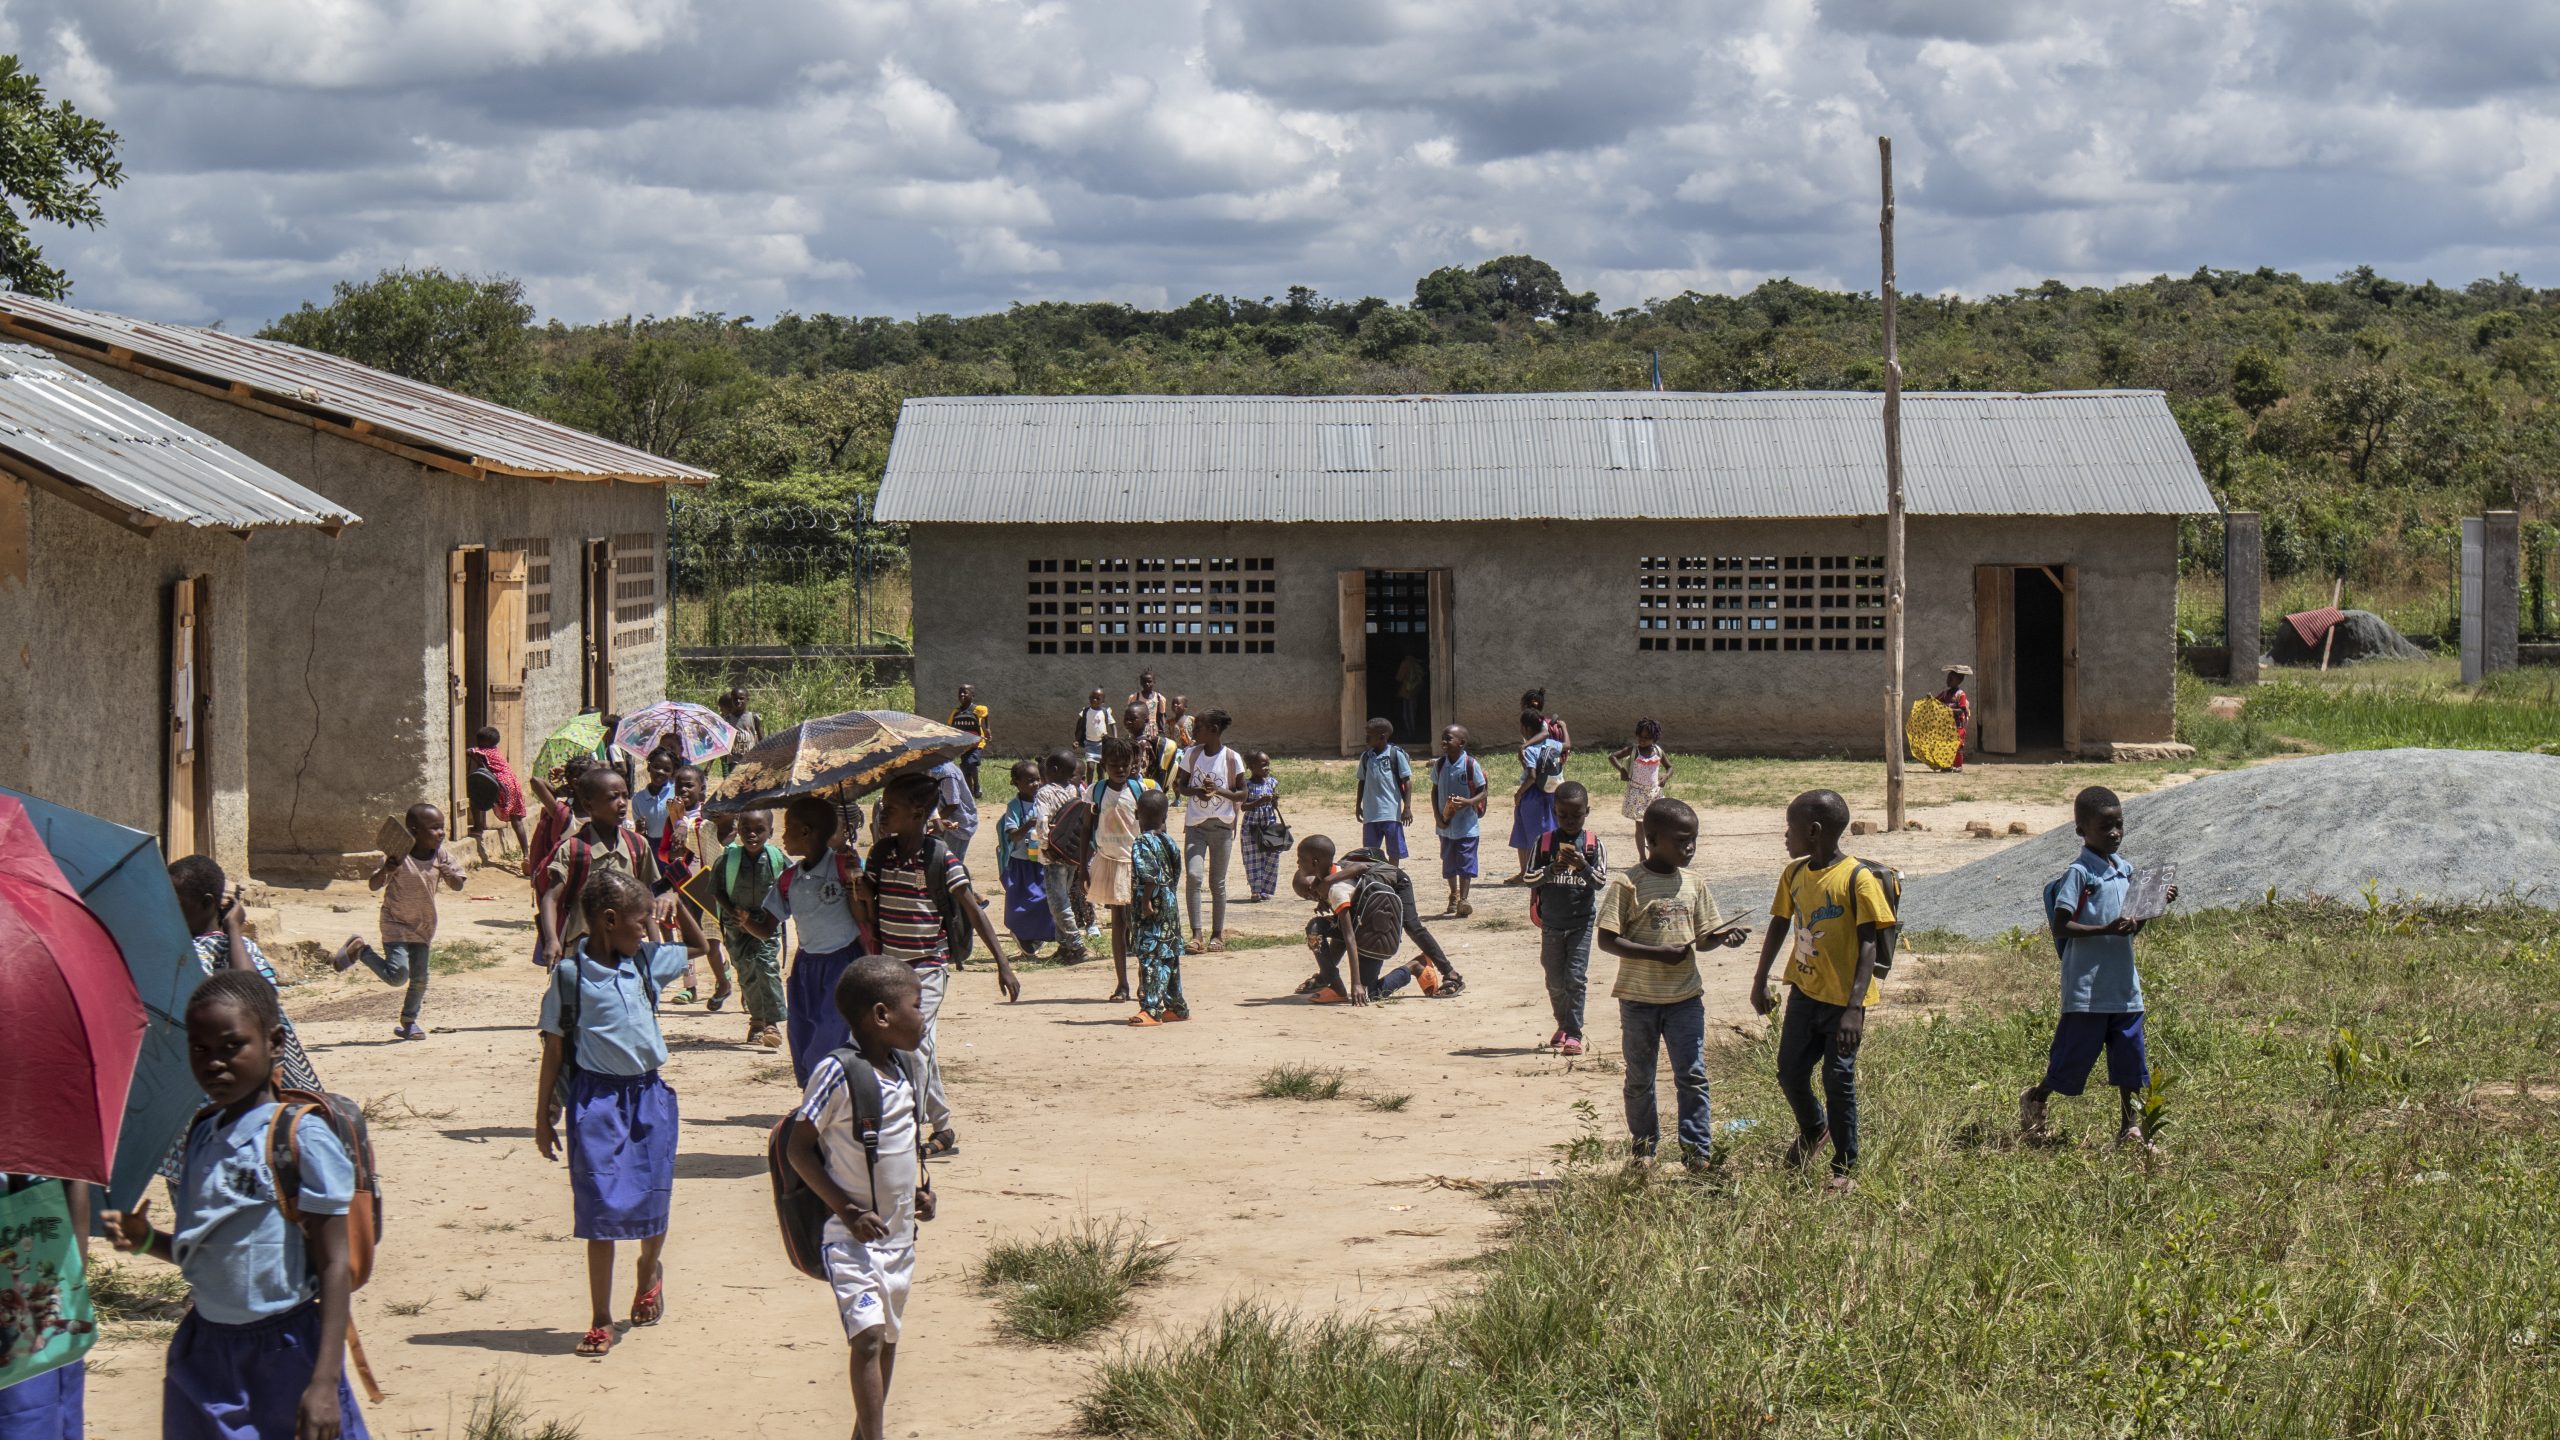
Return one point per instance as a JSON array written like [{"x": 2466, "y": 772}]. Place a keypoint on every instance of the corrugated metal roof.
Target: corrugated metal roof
[
  {"x": 85, "y": 431},
  {"x": 1146, "y": 459},
  {"x": 486, "y": 434}
]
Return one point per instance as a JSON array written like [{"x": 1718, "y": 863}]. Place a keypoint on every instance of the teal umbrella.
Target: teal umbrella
[
  {"x": 583, "y": 735},
  {"x": 121, "y": 878}
]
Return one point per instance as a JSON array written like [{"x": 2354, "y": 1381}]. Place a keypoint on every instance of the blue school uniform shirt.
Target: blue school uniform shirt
[
  {"x": 955, "y": 795},
  {"x": 1450, "y": 781},
  {"x": 242, "y": 1259},
  {"x": 816, "y": 903},
  {"x": 1380, "y": 771},
  {"x": 649, "y": 808},
  {"x": 1533, "y": 753},
  {"x": 617, "y": 1024},
  {"x": 2098, "y": 977}
]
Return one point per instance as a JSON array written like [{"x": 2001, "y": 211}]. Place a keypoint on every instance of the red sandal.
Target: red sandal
[
  {"x": 597, "y": 1344},
  {"x": 650, "y": 1306}
]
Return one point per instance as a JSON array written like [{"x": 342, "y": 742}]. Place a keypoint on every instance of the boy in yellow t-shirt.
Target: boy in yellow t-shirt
[{"x": 1831, "y": 906}]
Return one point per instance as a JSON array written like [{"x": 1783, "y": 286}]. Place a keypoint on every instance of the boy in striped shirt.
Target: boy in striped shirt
[{"x": 915, "y": 882}]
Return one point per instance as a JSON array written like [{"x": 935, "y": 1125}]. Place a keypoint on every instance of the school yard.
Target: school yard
[{"x": 1331, "y": 1207}]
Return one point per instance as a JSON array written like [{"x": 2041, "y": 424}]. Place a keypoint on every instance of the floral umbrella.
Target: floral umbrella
[
  {"x": 581, "y": 736},
  {"x": 842, "y": 757},
  {"x": 701, "y": 734}
]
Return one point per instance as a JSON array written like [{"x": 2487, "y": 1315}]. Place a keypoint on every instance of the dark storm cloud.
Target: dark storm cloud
[{"x": 896, "y": 156}]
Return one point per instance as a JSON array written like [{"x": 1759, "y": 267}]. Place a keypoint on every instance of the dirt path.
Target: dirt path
[{"x": 1065, "y": 1114}]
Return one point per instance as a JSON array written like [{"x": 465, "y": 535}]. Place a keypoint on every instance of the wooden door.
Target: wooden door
[
  {"x": 1444, "y": 671},
  {"x": 1352, "y": 594},
  {"x": 597, "y": 625},
  {"x": 187, "y": 827},
  {"x": 458, "y": 626},
  {"x": 1995, "y": 668},
  {"x": 2069, "y": 580},
  {"x": 502, "y": 642}
]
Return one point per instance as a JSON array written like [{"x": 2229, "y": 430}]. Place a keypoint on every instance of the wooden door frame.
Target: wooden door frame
[
  {"x": 187, "y": 714},
  {"x": 1995, "y": 656},
  {"x": 595, "y": 622},
  {"x": 466, "y": 620},
  {"x": 1351, "y": 595},
  {"x": 1443, "y": 649},
  {"x": 502, "y": 651}
]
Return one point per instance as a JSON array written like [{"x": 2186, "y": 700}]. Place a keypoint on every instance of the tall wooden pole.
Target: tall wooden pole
[{"x": 1892, "y": 518}]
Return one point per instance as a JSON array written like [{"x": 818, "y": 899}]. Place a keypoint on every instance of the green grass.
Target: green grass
[
  {"x": 1299, "y": 1082},
  {"x": 456, "y": 957},
  {"x": 500, "y": 1413},
  {"x": 1061, "y": 1289},
  {"x": 807, "y": 690},
  {"x": 127, "y": 1291},
  {"x": 2516, "y": 711},
  {"x": 1389, "y": 1103},
  {"x": 2348, "y": 1234},
  {"x": 408, "y": 1308}
]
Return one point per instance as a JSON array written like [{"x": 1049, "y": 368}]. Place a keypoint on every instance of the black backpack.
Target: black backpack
[
  {"x": 1377, "y": 903},
  {"x": 1888, "y": 937},
  {"x": 802, "y": 1215}
]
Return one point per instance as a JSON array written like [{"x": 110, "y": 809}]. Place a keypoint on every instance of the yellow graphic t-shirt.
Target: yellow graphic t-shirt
[{"x": 1823, "y": 910}]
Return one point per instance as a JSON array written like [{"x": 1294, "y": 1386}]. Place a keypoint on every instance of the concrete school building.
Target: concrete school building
[
  {"x": 509, "y": 572},
  {"x": 1713, "y": 561}
]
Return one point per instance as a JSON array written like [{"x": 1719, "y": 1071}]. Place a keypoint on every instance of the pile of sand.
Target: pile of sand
[{"x": 2462, "y": 825}]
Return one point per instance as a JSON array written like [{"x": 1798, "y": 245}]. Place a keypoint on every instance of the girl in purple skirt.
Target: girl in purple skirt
[{"x": 601, "y": 1050}]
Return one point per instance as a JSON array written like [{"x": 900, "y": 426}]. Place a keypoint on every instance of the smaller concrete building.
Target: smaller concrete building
[
  {"x": 511, "y": 571},
  {"x": 1714, "y": 561},
  {"x": 125, "y": 543}
]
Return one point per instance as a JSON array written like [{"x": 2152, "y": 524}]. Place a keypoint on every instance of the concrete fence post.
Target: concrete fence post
[
  {"x": 2499, "y": 596},
  {"x": 2243, "y": 566}
]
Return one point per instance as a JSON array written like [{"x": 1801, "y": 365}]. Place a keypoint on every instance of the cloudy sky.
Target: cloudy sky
[{"x": 897, "y": 156}]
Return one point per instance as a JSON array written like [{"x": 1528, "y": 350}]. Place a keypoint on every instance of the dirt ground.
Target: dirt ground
[{"x": 1064, "y": 1112}]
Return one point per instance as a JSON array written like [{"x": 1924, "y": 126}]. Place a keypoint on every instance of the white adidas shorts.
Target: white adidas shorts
[{"x": 871, "y": 1286}]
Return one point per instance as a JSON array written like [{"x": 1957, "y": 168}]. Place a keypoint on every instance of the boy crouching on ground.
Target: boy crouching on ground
[
  {"x": 1656, "y": 918},
  {"x": 875, "y": 1185}
]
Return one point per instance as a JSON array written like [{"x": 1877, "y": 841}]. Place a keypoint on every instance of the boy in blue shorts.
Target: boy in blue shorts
[
  {"x": 1458, "y": 794},
  {"x": 1386, "y": 793},
  {"x": 2101, "y": 991}
]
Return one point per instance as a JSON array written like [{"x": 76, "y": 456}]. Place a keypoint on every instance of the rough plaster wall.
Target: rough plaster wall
[
  {"x": 1553, "y": 604},
  {"x": 348, "y": 634},
  {"x": 84, "y": 647}
]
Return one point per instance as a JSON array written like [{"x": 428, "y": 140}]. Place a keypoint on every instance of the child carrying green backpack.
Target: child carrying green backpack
[{"x": 739, "y": 880}]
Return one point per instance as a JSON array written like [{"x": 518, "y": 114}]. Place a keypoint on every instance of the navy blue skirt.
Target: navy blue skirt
[
  {"x": 622, "y": 1155},
  {"x": 245, "y": 1382},
  {"x": 49, "y": 1406},
  {"x": 1026, "y": 902}
]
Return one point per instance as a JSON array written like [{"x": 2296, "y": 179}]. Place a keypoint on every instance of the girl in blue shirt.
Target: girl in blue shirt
[
  {"x": 262, "y": 1353},
  {"x": 600, "y": 1032}
]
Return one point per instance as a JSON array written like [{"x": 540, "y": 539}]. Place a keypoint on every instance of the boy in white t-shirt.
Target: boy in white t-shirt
[{"x": 877, "y": 1193}]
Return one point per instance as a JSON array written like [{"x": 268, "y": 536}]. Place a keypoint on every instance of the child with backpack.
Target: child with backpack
[
  {"x": 601, "y": 1051},
  {"x": 744, "y": 874},
  {"x": 925, "y": 912},
  {"x": 1459, "y": 792},
  {"x": 1838, "y": 913},
  {"x": 1655, "y": 919},
  {"x": 1360, "y": 916},
  {"x": 687, "y": 841},
  {"x": 492, "y": 788},
  {"x": 1026, "y": 888},
  {"x": 818, "y": 894},
  {"x": 1114, "y": 831},
  {"x": 1385, "y": 799},
  {"x": 559, "y": 820},
  {"x": 1061, "y": 832},
  {"x": 1569, "y": 868},
  {"x": 604, "y": 842},
  {"x": 2101, "y": 991},
  {"x": 407, "y": 880},
  {"x": 1155, "y": 916},
  {"x": 856, "y": 1145},
  {"x": 1533, "y": 803},
  {"x": 261, "y": 1353}
]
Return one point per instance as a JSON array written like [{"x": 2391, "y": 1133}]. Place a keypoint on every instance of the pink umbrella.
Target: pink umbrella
[{"x": 75, "y": 1020}]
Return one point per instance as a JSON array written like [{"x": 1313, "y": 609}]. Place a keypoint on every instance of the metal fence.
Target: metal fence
[{"x": 785, "y": 575}]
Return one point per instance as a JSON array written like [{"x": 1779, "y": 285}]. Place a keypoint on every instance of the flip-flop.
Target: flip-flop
[
  {"x": 681, "y": 997},
  {"x": 597, "y": 1343},
  {"x": 1143, "y": 1021},
  {"x": 650, "y": 1305},
  {"x": 944, "y": 1142},
  {"x": 719, "y": 998}
]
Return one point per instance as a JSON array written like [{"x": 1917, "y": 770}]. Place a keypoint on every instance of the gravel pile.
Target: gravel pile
[
  {"x": 2362, "y": 635},
  {"x": 2462, "y": 825}
]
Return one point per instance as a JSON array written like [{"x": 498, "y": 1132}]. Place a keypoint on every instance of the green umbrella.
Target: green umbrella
[{"x": 583, "y": 735}]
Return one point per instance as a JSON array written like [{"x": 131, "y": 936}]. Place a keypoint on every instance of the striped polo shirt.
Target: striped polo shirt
[{"x": 910, "y": 928}]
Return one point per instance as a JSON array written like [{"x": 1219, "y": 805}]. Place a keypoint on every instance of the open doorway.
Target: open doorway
[
  {"x": 2026, "y": 659},
  {"x": 1396, "y": 654},
  {"x": 2037, "y": 665},
  {"x": 466, "y": 661}
]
